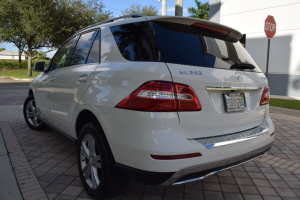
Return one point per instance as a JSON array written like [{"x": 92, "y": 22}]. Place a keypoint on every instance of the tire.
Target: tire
[
  {"x": 97, "y": 169},
  {"x": 31, "y": 115}
]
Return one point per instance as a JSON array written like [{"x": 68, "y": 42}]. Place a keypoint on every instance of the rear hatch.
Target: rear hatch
[{"x": 209, "y": 58}]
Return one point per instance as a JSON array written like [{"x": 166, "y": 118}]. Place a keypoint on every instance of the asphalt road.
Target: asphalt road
[{"x": 12, "y": 92}]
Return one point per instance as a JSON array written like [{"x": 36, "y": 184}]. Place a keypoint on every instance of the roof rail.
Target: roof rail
[{"x": 111, "y": 20}]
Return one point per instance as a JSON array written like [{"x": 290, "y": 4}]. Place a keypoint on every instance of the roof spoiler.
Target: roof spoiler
[{"x": 233, "y": 35}]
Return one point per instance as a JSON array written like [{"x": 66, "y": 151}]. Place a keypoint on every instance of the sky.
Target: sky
[{"x": 116, "y": 6}]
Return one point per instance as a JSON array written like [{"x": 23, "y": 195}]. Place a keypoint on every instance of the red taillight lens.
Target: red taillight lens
[
  {"x": 162, "y": 96},
  {"x": 186, "y": 98},
  {"x": 210, "y": 28},
  {"x": 265, "y": 97}
]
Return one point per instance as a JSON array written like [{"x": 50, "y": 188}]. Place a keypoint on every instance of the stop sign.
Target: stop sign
[{"x": 270, "y": 27}]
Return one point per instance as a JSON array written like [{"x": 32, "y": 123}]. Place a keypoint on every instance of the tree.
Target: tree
[
  {"x": 7, "y": 35},
  {"x": 138, "y": 9},
  {"x": 2, "y": 49},
  {"x": 33, "y": 24},
  {"x": 18, "y": 42},
  {"x": 201, "y": 11},
  {"x": 39, "y": 55}
]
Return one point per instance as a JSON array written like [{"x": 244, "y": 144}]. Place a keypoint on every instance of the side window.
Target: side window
[
  {"x": 136, "y": 42},
  {"x": 94, "y": 56},
  {"x": 82, "y": 48},
  {"x": 59, "y": 60}
]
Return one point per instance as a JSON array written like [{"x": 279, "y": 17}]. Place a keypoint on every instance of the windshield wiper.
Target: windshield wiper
[{"x": 242, "y": 65}]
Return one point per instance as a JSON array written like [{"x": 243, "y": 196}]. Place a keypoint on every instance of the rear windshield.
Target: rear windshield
[{"x": 186, "y": 45}]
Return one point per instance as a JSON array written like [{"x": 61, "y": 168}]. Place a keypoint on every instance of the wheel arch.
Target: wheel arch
[
  {"x": 30, "y": 92},
  {"x": 84, "y": 117}
]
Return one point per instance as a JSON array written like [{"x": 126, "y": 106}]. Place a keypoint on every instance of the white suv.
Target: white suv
[{"x": 159, "y": 100}]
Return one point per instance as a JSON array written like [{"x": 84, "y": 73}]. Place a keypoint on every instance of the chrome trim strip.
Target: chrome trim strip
[
  {"x": 214, "y": 172},
  {"x": 216, "y": 164},
  {"x": 232, "y": 88},
  {"x": 223, "y": 140}
]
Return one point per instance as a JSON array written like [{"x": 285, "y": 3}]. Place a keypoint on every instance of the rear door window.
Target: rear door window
[
  {"x": 136, "y": 42},
  {"x": 82, "y": 48},
  {"x": 94, "y": 56}
]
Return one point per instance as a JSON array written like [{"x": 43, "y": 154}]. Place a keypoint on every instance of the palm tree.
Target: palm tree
[{"x": 201, "y": 11}]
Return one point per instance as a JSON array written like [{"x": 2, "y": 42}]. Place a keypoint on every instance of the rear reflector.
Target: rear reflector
[
  {"x": 272, "y": 134},
  {"x": 265, "y": 97},
  {"x": 210, "y": 28},
  {"x": 174, "y": 157},
  {"x": 162, "y": 96}
]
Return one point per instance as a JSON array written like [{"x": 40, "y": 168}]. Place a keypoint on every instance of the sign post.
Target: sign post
[{"x": 270, "y": 30}]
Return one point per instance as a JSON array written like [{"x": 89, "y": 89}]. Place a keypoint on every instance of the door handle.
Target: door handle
[
  {"x": 82, "y": 78},
  {"x": 52, "y": 78}
]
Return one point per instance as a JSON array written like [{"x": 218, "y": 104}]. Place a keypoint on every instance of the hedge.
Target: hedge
[{"x": 14, "y": 64}]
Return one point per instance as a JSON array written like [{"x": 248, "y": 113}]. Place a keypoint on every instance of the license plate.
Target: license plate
[{"x": 234, "y": 102}]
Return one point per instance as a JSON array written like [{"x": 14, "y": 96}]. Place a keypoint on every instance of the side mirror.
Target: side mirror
[{"x": 39, "y": 66}]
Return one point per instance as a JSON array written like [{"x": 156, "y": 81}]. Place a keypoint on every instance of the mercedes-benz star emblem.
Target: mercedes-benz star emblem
[{"x": 239, "y": 76}]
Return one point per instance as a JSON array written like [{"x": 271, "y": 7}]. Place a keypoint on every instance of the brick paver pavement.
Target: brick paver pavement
[{"x": 275, "y": 176}]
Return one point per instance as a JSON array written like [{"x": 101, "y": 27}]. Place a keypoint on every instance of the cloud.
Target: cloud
[
  {"x": 2, "y": 45},
  {"x": 51, "y": 53},
  {"x": 172, "y": 9}
]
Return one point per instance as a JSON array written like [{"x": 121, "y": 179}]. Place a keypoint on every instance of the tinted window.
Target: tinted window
[
  {"x": 181, "y": 44},
  {"x": 95, "y": 51},
  {"x": 229, "y": 53},
  {"x": 82, "y": 48},
  {"x": 188, "y": 45},
  {"x": 136, "y": 42},
  {"x": 59, "y": 60}
]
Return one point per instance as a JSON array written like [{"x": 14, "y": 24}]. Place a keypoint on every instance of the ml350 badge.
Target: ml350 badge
[{"x": 191, "y": 72}]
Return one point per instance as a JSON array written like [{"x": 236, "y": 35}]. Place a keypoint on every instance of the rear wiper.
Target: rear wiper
[
  {"x": 225, "y": 59},
  {"x": 242, "y": 65}
]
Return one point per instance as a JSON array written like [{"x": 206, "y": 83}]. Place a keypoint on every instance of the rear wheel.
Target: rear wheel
[
  {"x": 96, "y": 164},
  {"x": 30, "y": 113}
]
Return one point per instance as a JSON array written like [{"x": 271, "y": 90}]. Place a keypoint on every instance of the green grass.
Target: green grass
[
  {"x": 18, "y": 73},
  {"x": 283, "y": 103}
]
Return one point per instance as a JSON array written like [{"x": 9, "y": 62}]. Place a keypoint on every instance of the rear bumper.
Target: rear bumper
[
  {"x": 201, "y": 171},
  {"x": 191, "y": 173}
]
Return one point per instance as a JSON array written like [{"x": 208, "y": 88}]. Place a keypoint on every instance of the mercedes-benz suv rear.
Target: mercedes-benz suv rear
[{"x": 169, "y": 100}]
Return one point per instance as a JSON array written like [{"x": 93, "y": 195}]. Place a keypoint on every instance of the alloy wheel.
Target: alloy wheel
[
  {"x": 90, "y": 161},
  {"x": 32, "y": 114}
]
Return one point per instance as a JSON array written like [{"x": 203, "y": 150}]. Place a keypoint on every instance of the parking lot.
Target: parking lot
[{"x": 45, "y": 166}]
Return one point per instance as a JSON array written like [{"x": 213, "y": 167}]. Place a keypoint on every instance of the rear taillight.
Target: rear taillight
[
  {"x": 161, "y": 96},
  {"x": 265, "y": 97}
]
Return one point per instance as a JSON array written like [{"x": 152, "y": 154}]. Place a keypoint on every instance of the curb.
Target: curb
[
  {"x": 285, "y": 112},
  {"x": 16, "y": 79},
  {"x": 26, "y": 178},
  {"x": 285, "y": 97}
]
